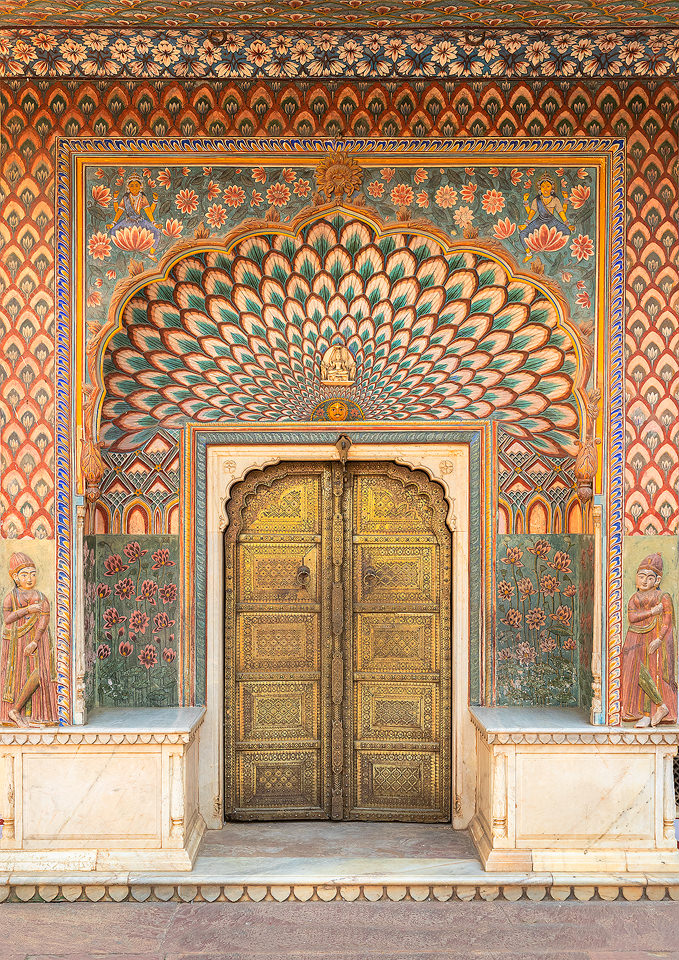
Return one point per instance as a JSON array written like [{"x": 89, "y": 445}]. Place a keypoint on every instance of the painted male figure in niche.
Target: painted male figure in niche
[
  {"x": 649, "y": 679},
  {"x": 27, "y": 667}
]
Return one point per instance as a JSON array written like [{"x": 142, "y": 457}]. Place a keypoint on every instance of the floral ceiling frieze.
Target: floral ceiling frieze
[{"x": 341, "y": 55}]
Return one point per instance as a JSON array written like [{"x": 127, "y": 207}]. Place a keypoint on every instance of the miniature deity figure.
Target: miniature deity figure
[
  {"x": 135, "y": 210},
  {"x": 649, "y": 680},
  {"x": 543, "y": 211},
  {"x": 338, "y": 366},
  {"x": 27, "y": 668}
]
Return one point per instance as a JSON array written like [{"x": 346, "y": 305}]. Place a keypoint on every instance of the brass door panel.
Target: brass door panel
[
  {"x": 400, "y": 643},
  {"x": 338, "y": 645}
]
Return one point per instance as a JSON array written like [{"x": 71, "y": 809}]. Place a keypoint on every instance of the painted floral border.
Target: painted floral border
[{"x": 341, "y": 55}]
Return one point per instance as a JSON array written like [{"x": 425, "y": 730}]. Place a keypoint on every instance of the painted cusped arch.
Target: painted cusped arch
[{"x": 437, "y": 331}]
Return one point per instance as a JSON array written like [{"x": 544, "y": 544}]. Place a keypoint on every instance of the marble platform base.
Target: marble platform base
[
  {"x": 554, "y": 793},
  {"x": 119, "y": 793}
]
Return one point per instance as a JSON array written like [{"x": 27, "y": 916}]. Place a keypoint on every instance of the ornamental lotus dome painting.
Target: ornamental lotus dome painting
[{"x": 248, "y": 331}]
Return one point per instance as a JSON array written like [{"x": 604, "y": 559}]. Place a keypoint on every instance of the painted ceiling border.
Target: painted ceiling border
[{"x": 341, "y": 55}]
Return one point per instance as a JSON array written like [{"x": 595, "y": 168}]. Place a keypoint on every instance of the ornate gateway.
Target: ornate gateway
[{"x": 338, "y": 645}]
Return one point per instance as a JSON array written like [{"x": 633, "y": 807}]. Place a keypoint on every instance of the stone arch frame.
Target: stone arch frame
[{"x": 70, "y": 378}]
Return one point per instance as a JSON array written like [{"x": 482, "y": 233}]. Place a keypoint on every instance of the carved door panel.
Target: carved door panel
[
  {"x": 401, "y": 641},
  {"x": 338, "y": 637},
  {"x": 276, "y": 608}
]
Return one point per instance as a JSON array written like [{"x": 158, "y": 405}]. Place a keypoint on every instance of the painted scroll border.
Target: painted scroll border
[{"x": 72, "y": 153}]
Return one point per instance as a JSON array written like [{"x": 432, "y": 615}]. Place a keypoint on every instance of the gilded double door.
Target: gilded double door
[{"x": 337, "y": 645}]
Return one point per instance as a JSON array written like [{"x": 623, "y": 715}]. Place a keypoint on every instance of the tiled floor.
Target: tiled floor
[{"x": 340, "y": 931}]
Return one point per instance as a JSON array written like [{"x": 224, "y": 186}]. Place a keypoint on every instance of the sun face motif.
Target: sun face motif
[{"x": 338, "y": 176}]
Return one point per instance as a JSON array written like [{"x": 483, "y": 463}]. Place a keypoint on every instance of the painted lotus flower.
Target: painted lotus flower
[
  {"x": 549, "y": 585},
  {"x": 161, "y": 558},
  {"x": 402, "y": 195},
  {"x": 134, "y": 239},
  {"x": 138, "y": 622},
  {"x": 125, "y": 589},
  {"x": 133, "y": 551},
  {"x": 186, "y": 201},
  {"x": 168, "y": 593},
  {"x": 161, "y": 621},
  {"x": 148, "y": 656},
  {"x": 173, "y": 227},
  {"x": 569, "y": 644},
  {"x": 513, "y": 618},
  {"x": 505, "y": 590},
  {"x": 125, "y": 648},
  {"x": 526, "y": 588},
  {"x": 114, "y": 564},
  {"x": 103, "y": 651},
  {"x": 547, "y": 643},
  {"x": 101, "y": 195},
  {"x": 99, "y": 246},
  {"x": 278, "y": 194},
  {"x": 103, "y": 591},
  {"x": 563, "y": 615},
  {"x": 582, "y": 247},
  {"x": 234, "y": 196},
  {"x": 505, "y": 654},
  {"x": 493, "y": 201},
  {"x": 504, "y": 228},
  {"x": 445, "y": 197},
  {"x": 578, "y": 196},
  {"x": 513, "y": 557},
  {"x": 435, "y": 335},
  {"x": 540, "y": 548},
  {"x": 561, "y": 561},
  {"x": 536, "y": 618},
  {"x": 148, "y": 591},
  {"x": 525, "y": 654},
  {"x": 169, "y": 655},
  {"x": 216, "y": 215},
  {"x": 546, "y": 239},
  {"x": 112, "y": 617}
]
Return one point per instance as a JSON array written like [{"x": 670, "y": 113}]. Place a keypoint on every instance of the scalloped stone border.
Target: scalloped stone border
[{"x": 326, "y": 892}]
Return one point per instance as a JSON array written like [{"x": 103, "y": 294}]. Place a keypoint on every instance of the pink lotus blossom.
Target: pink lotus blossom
[
  {"x": 422, "y": 199},
  {"x": 513, "y": 557},
  {"x": 505, "y": 590},
  {"x": 165, "y": 178},
  {"x": 569, "y": 644},
  {"x": 173, "y": 227},
  {"x": 375, "y": 189},
  {"x": 387, "y": 174},
  {"x": 148, "y": 657},
  {"x": 213, "y": 190},
  {"x": 169, "y": 655},
  {"x": 402, "y": 195},
  {"x": 526, "y": 654},
  {"x": 101, "y": 195},
  {"x": 493, "y": 201},
  {"x": 561, "y": 562},
  {"x": 186, "y": 201},
  {"x": 446, "y": 197},
  {"x": 112, "y": 617},
  {"x": 161, "y": 558},
  {"x": 526, "y": 588},
  {"x": 582, "y": 247},
  {"x": 134, "y": 239},
  {"x": 259, "y": 174},
  {"x": 302, "y": 188},
  {"x": 278, "y": 194},
  {"x": 468, "y": 191},
  {"x": 540, "y": 548},
  {"x": 133, "y": 551},
  {"x": 216, "y": 215},
  {"x": 505, "y": 654},
  {"x": 148, "y": 591},
  {"x": 125, "y": 589},
  {"x": 103, "y": 651},
  {"x": 138, "y": 622},
  {"x": 161, "y": 621},
  {"x": 504, "y": 228},
  {"x": 168, "y": 593},
  {"x": 536, "y": 618},
  {"x": 420, "y": 175},
  {"x": 103, "y": 590},
  {"x": 547, "y": 643},
  {"x": 546, "y": 239},
  {"x": 233, "y": 196},
  {"x": 99, "y": 246},
  {"x": 579, "y": 195},
  {"x": 513, "y": 618},
  {"x": 549, "y": 585},
  {"x": 125, "y": 648},
  {"x": 114, "y": 564}
]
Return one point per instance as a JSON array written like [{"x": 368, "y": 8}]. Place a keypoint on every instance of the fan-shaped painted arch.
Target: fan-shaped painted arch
[{"x": 436, "y": 332}]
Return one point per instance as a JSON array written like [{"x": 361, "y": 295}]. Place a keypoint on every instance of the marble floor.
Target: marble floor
[{"x": 325, "y": 839}]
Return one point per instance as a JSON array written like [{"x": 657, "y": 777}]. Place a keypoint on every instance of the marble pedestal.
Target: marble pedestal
[
  {"x": 119, "y": 793},
  {"x": 554, "y": 793}
]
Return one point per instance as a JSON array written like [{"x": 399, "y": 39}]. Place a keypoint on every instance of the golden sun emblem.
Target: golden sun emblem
[{"x": 338, "y": 176}]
